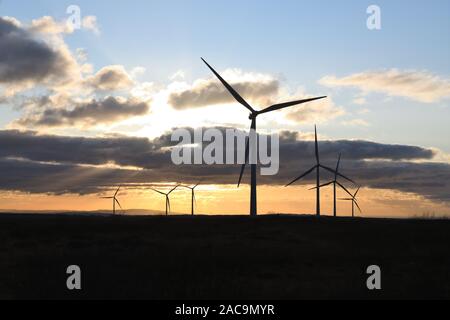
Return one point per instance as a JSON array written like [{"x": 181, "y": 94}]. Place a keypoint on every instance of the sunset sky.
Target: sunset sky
[{"x": 84, "y": 110}]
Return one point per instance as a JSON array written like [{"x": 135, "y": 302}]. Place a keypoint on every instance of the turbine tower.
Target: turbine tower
[
  {"x": 167, "y": 198},
  {"x": 114, "y": 200},
  {"x": 317, "y": 167},
  {"x": 192, "y": 196},
  {"x": 253, "y": 115},
  {"x": 335, "y": 184},
  {"x": 354, "y": 202}
]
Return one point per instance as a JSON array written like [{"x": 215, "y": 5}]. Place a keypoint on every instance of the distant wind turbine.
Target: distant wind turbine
[
  {"x": 192, "y": 196},
  {"x": 114, "y": 200},
  {"x": 317, "y": 167},
  {"x": 335, "y": 184},
  {"x": 253, "y": 115},
  {"x": 354, "y": 202},
  {"x": 167, "y": 198}
]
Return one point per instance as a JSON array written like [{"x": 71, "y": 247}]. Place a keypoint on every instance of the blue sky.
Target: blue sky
[
  {"x": 311, "y": 37},
  {"x": 301, "y": 41}
]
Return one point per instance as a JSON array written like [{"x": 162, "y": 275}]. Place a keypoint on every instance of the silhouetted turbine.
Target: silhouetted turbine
[
  {"x": 354, "y": 202},
  {"x": 114, "y": 200},
  {"x": 253, "y": 115},
  {"x": 317, "y": 167},
  {"x": 192, "y": 196},
  {"x": 167, "y": 198},
  {"x": 335, "y": 183}
]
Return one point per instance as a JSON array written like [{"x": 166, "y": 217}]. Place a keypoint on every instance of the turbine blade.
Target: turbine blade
[
  {"x": 337, "y": 167},
  {"x": 327, "y": 168},
  {"x": 356, "y": 192},
  {"x": 323, "y": 185},
  {"x": 340, "y": 185},
  {"x": 168, "y": 203},
  {"x": 230, "y": 89},
  {"x": 358, "y": 206},
  {"x": 197, "y": 184},
  {"x": 242, "y": 173},
  {"x": 334, "y": 172},
  {"x": 346, "y": 199},
  {"x": 346, "y": 178},
  {"x": 316, "y": 144},
  {"x": 302, "y": 176},
  {"x": 118, "y": 204},
  {"x": 247, "y": 151},
  {"x": 287, "y": 104},
  {"x": 173, "y": 190},
  {"x": 158, "y": 191},
  {"x": 117, "y": 191},
  {"x": 106, "y": 197}
]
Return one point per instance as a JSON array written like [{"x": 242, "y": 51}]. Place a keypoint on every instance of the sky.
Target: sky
[{"x": 132, "y": 73}]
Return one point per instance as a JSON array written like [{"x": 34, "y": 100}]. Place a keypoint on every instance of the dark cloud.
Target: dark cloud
[
  {"x": 362, "y": 150},
  {"x": 25, "y": 58},
  {"x": 210, "y": 92},
  {"x": 108, "y": 110},
  {"x": 123, "y": 151},
  {"x": 57, "y": 164}
]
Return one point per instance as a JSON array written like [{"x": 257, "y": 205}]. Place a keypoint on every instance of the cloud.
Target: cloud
[
  {"x": 420, "y": 86},
  {"x": 263, "y": 90},
  {"x": 316, "y": 112},
  {"x": 179, "y": 75},
  {"x": 26, "y": 60},
  {"x": 140, "y": 152},
  {"x": 37, "y": 163},
  {"x": 255, "y": 88},
  {"x": 110, "y": 78},
  {"x": 105, "y": 111},
  {"x": 90, "y": 23},
  {"x": 360, "y": 101},
  {"x": 137, "y": 71},
  {"x": 41, "y": 77},
  {"x": 48, "y": 25},
  {"x": 356, "y": 123}
]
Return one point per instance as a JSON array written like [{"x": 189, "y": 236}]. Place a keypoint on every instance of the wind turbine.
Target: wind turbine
[
  {"x": 317, "y": 167},
  {"x": 167, "y": 198},
  {"x": 335, "y": 184},
  {"x": 354, "y": 202},
  {"x": 253, "y": 115},
  {"x": 193, "y": 196},
  {"x": 114, "y": 200}
]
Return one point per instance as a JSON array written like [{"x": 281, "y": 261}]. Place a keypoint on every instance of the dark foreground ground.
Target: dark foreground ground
[{"x": 274, "y": 257}]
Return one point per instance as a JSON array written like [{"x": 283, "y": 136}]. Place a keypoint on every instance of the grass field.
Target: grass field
[{"x": 270, "y": 257}]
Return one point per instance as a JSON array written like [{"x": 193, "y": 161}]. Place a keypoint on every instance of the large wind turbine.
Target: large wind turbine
[
  {"x": 354, "y": 202},
  {"x": 192, "y": 196},
  {"x": 317, "y": 167},
  {"x": 253, "y": 115},
  {"x": 114, "y": 200},
  {"x": 167, "y": 198},
  {"x": 335, "y": 184}
]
